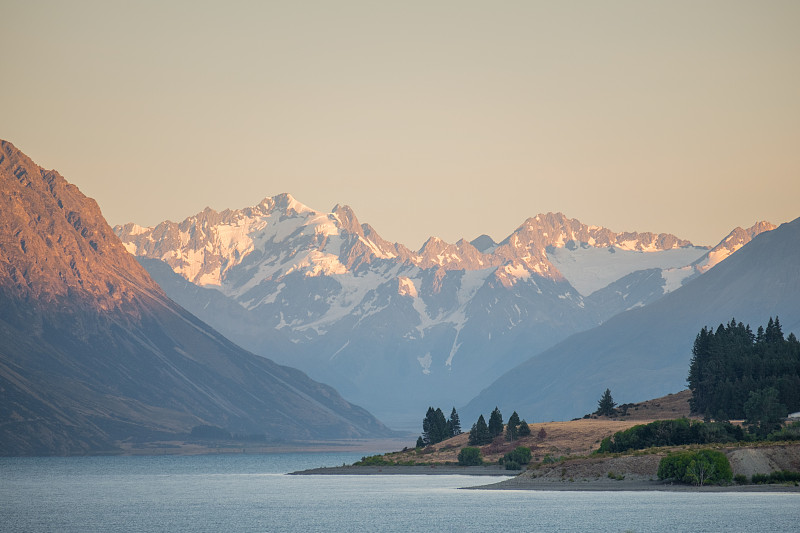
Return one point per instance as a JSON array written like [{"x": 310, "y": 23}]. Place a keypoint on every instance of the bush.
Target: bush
[
  {"x": 697, "y": 468},
  {"x": 520, "y": 455},
  {"x": 671, "y": 433},
  {"x": 790, "y": 432},
  {"x": 373, "y": 460},
  {"x": 779, "y": 476},
  {"x": 470, "y": 457},
  {"x": 513, "y": 465},
  {"x": 740, "y": 479}
]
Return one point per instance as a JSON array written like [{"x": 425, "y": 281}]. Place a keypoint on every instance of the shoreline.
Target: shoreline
[
  {"x": 413, "y": 470},
  {"x": 523, "y": 482}
]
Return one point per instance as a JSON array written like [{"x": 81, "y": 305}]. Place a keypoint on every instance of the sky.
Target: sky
[{"x": 451, "y": 119}]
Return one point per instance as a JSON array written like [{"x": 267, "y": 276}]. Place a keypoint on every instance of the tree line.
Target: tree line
[
  {"x": 735, "y": 373},
  {"x": 436, "y": 428}
]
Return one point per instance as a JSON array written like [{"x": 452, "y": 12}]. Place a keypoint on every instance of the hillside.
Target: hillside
[{"x": 93, "y": 353}]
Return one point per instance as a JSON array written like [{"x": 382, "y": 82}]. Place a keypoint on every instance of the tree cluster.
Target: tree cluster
[
  {"x": 735, "y": 373},
  {"x": 482, "y": 433},
  {"x": 435, "y": 428}
]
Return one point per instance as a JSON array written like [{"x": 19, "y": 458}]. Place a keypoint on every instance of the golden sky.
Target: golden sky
[{"x": 428, "y": 118}]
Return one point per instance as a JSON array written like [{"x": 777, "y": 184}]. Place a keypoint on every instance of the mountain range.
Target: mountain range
[
  {"x": 93, "y": 352},
  {"x": 397, "y": 330},
  {"x": 645, "y": 353}
]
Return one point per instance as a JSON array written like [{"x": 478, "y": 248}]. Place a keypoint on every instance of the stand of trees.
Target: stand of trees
[
  {"x": 735, "y": 373},
  {"x": 435, "y": 428}
]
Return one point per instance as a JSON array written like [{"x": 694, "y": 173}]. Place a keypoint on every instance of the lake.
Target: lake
[{"x": 253, "y": 493}]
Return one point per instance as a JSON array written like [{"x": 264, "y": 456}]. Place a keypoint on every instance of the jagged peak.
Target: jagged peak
[
  {"x": 432, "y": 242},
  {"x": 760, "y": 227},
  {"x": 347, "y": 218}
]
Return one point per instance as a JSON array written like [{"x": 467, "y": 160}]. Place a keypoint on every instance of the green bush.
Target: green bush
[
  {"x": 373, "y": 460},
  {"x": 697, "y": 468},
  {"x": 790, "y": 432},
  {"x": 513, "y": 465},
  {"x": 740, "y": 479},
  {"x": 470, "y": 457},
  {"x": 520, "y": 455},
  {"x": 671, "y": 433},
  {"x": 779, "y": 476}
]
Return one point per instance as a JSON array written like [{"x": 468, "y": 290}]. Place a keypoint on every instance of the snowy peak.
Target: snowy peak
[
  {"x": 735, "y": 240},
  {"x": 236, "y": 250},
  {"x": 555, "y": 229},
  {"x": 460, "y": 256}
]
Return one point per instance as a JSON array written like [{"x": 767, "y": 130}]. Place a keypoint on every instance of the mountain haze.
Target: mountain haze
[{"x": 92, "y": 351}]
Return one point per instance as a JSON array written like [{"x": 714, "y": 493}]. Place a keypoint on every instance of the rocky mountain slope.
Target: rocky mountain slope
[
  {"x": 396, "y": 329},
  {"x": 93, "y": 352},
  {"x": 646, "y": 352}
]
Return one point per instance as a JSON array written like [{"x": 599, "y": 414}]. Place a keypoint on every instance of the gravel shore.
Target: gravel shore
[
  {"x": 525, "y": 481},
  {"x": 430, "y": 470}
]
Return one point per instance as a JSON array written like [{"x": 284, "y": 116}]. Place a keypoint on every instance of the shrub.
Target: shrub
[
  {"x": 470, "y": 457},
  {"x": 779, "y": 476},
  {"x": 549, "y": 459},
  {"x": 373, "y": 460},
  {"x": 698, "y": 468},
  {"x": 671, "y": 433},
  {"x": 790, "y": 432},
  {"x": 520, "y": 455},
  {"x": 740, "y": 479},
  {"x": 513, "y": 465}
]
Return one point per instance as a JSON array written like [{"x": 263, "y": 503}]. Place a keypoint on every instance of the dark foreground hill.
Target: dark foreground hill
[
  {"x": 92, "y": 352},
  {"x": 645, "y": 352}
]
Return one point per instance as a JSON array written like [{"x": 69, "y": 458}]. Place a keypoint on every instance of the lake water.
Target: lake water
[{"x": 252, "y": 493}]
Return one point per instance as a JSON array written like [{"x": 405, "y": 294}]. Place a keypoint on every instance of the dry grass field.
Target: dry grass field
[{"x": 572, "y": 438}]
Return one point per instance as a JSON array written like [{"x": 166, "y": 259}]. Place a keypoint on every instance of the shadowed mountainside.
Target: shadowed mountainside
[{"x": 92, "y": 352}]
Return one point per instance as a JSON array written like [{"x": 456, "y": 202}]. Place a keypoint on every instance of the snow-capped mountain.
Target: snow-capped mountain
[
  {"x": 394, "y": 329},
  {"x": 645, "y": 353}
]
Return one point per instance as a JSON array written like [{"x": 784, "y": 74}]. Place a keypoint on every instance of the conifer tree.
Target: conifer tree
[
  {"x": 495, "y": 423},
  {"x": 454, "y": 424},
  {"x": 512, "y": 428},
  {"x": 524, "y": 429},
  {"x": 605, "y": 407},
  {"x": 434, "y": 427},
  {"x": 479, "y": 434}
]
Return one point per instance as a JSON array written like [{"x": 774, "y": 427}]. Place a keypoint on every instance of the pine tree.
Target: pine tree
[
  {"x": 605, "y": 407},
  {"x": 512, "y": 428},
  {"x": 495, "y": 423},
  {"x": 420, "y": 442},
  {"x": 524, "y": 429},
  {"x": 434, "y": 427},
  {"x": 454, "y": 424},
  {"x": 479, "y": 434}
]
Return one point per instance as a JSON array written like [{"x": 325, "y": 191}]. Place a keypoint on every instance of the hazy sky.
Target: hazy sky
[{"x": 428, "y": 118}]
